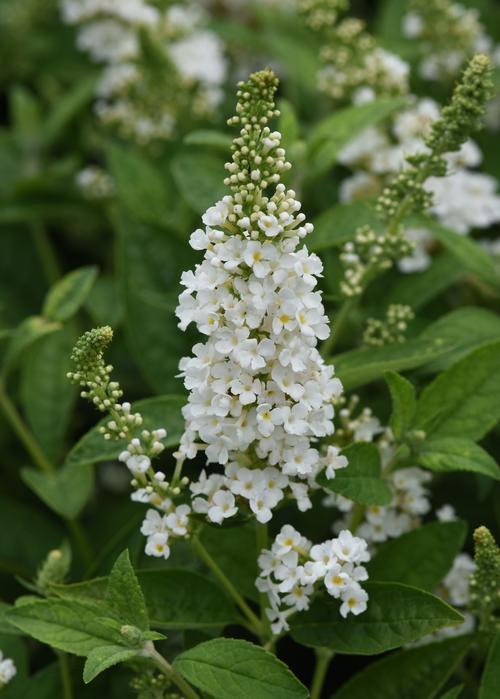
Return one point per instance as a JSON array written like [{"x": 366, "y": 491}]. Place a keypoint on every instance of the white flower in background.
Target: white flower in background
[
  {"x": 260, "y": 395},
  {"x": 95, "y": 183},
  {"x": 293, "y": 569},
  {"x": 7, "y": 670},
  {"x": 130, "y": 94}
]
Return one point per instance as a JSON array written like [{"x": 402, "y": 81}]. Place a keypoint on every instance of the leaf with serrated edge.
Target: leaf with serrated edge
[
  {"x": 125, "y": 595},
  {"x": 227, "y": 668},
  {"x": 454, "y": 454},
  {"x": 396, "y": 614},
  {"x": 104, "y": 657}
]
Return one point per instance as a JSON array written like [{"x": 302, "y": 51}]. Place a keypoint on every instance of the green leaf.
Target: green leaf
[
  {"x": 104, "y": 657},
  {"x": 69, "y": 294},
  {"x": 227, "y": 668},
  {"x": 26, "y": 334},
  {"x": 332, "y": 133},
  {"x": 463, "y": 400},
  {"x": 396, "y": 614},
  {"x": 25, "y": 115},
  {"x": 467, "y": 252},
  {"x": 159, "y": 411},
  {"x": 199, "y": 177},
  {"x": 104, "y": 303},
  {"x": 14, "y": 648},
  {"x": 421, "y": 557},
  {"x": 361, "y": 366},
  {"x": 66, "y": 491},
  {"x": 288, "y": 124},
  {"x": 207, "y": 137},
  {"x": 67, "y": 625},
  {"x": 361, "y": 480},
  {"x": 140, "y": 186},
  {"x": 66, "y": 108},
  {"x": 45, "y": 684},
  {"x": 337, "y": 225},
  {"x": 418, "y": 672},
  {"x": 455, "y": 454},
  {"x": 175, "y": 599},
  {"x": 453, "y": 693},
  {"x": 490, "y": 680},
  {"x": 467, "y": 328},
  {"x": 151, "y": 264},
  {"x": 404, "y": 403},
  {"x": 125, "y": 595},
  {"x": 47, "y": 396}
]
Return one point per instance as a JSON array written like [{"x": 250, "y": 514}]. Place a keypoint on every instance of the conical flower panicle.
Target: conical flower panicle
[{"x": 260, "y": 394}]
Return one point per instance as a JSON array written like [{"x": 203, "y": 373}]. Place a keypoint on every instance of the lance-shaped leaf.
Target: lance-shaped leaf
[
  {"x": 124, "y": 594},
  {"x": 454, "y": 454},
  {"x": 226, "y": 668},
  {"x": 396, "y": 615},
  {"x": 104, "y": 657},
  {"x": 69, "y": 294},
  {"x": 403, "y": 403}
]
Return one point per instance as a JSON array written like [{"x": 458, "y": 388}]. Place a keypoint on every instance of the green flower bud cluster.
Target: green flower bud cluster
[
  {"x": 93, "y": 375},
  {"x": 54, "y": 569},
  {"x": 370, "y": 253},
  {"x": 485, "y": 582},
  {"x": 257, "y": 159},
  {"x": 319, "y": 14},
  {"x": 390, "y": 331}
]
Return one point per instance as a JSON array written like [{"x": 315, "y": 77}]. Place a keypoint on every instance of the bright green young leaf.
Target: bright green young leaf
[
  {"x": 404, "y": 403},
  {"x": 467, "y": 328},
  {"x": 140, "y": 187},
  {"x": 226, "y": 668},
  {"x": 468, "y": 253},
  {"x": 490, "y": 681},
  {"x": 199, "y": 177},
  {"x": 463, "y": 400},
  {"x": 455, "y": 454},
  {"x": 361, "y": 366},
  {"x": 104, "y": 657},
  {"x": 47, "y": 397},
  {"x": 453, "y": 693},
  {"x": 67, "y": 625},
  {"x": 69, "y": 294},
  {"x": 396, "y": 614},
  {"x": 158, "y": 411},
  {"x": 334, "y": 132},
  {"x": 66, "y": 491},
  {"x": 125, "y": 596},
  {"x": 213, "y": 139},
  {"x": 409, "y": 674},
  {"x": 26, "y": 334},
  {"x": 421, "y": 557},
  {"x": 337, "y": 225},
  {"x": 361, "y": 480}
]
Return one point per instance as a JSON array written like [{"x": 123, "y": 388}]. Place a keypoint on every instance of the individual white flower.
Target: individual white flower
[
  {"x": 354, "y": 601},
  {"x": 157, "y": 545},
  {"x": 222, "y": 506},
  {"x": 334, "y": 461},
  {"x": 7, "y": 670},
  {"x": 178, "y": 521}
]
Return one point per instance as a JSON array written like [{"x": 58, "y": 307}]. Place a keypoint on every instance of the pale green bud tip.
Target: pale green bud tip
[
  {"x": 89, "y": 349},
  {"x": 256, "y": 99},
  {"x": 132, "y": 634}
]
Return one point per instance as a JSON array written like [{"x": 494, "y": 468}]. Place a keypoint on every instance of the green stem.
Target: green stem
[
  {"x": 228, "y": 585},
  {"x": 323, "y": 658},
  {"x": 46, "y": 252},
  {"x": 338, "y": 325},
  {"x": 169, "y": 672},
  {"x": 65, "y": 676},
  {"x": 19, "y": 426}
]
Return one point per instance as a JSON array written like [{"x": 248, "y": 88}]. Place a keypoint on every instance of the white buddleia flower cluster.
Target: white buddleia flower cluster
[
  {"x": 7, "y": 670},
  {"x": 158, "y": 64},
  {"x": 165, "y": 520},
  {"x": 448, "y": 34},
  {"x": 260, "y": 395},
  {"x": 293, "y": 570},
  {"x": 462, "y": 200}
]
